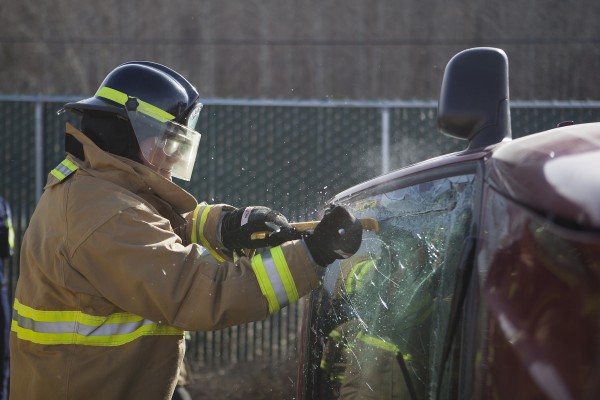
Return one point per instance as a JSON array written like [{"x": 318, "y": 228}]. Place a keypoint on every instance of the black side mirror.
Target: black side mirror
[{"x": 474, "y": 101}]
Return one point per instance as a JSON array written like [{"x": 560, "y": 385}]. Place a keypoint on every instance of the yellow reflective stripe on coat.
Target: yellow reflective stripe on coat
[
  {"x": 64, "y": 169},
  {"x": 76, "y": 327},
  {"x": 11, "y": 233},
  {"x": 198, "y": 221},
  {"x": 143, "y": 107},
  {"x": 378, "y": 342},
  {"x": 335, "y": 335},
  {"x": 355, "y": 277},
  {"x": 275, "y": 279}
]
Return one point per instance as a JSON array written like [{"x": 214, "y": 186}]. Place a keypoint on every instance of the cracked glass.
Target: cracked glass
[{"x": 381, "y": 318}]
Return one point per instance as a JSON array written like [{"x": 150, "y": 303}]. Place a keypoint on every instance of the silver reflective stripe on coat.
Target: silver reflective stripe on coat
[
  {"x": 275, "y": 279},
  {"x": 64, "y": 169},
  {"x": 78, "y": 327},
  {"x": 47, "y": 327}
]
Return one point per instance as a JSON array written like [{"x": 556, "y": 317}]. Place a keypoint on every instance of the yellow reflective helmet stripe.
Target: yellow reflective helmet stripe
[
  {"x": 143, "y": 107},
  {"x": 75, "y": 327},
  {"x": 64, "y": 169},
  {"x": 198, "y": 221},
  {"x": 275, "y": 279}
]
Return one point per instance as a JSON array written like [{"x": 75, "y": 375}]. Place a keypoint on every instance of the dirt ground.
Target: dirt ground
[{"x": 257, "y": 380}]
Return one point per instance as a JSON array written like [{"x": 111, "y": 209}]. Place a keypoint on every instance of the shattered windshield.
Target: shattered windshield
[{"x": 382, "y": 314}]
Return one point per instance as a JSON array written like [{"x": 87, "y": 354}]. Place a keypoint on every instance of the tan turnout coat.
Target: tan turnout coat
[{"x": 111, "y": 276}]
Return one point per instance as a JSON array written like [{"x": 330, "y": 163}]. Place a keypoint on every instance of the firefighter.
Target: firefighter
[
  {"x": 118, "y": 261},
  {"x": 381, "y": 305},
  {"x": 354, "y": 273},
  {"x": 394, "y": 304},
  {"x": 7, "y": 244}
]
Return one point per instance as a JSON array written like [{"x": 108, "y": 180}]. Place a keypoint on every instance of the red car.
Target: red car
[{"x": 482, "y": 280}]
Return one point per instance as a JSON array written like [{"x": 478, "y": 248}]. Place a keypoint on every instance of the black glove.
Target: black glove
[
  {"x": 239, "y": 225},
  {"x": 337, "y": 236}
]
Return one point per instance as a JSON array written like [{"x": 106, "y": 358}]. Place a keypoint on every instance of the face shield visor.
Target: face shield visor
[{"x": 169, "y": 147}]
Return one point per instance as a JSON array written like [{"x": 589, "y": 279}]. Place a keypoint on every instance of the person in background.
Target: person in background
[
  {"x": 118, "y": 260},
  {"x": 7, "y": 244}
]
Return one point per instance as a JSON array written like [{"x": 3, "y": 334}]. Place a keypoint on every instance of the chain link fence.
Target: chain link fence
[{"x": 290, "y": 156}]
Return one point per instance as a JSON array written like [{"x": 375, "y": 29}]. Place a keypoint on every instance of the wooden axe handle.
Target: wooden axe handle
[{"x": 369, "y": 224}]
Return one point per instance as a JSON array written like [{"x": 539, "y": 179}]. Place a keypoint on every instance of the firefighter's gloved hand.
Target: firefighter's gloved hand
[
  {"x": 337, "y": 236},
  {"x": 239, "y": 225}
]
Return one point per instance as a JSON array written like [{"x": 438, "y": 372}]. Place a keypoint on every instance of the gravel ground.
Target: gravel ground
[{"x": 257, "y": 380}]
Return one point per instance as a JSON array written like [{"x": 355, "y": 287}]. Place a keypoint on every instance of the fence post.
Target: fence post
[
  {"x": 385, "y": 140},
  {"x": 39, "y": 145}
]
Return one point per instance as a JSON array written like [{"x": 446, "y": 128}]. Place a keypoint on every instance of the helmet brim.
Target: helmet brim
[{"x": 95, "y": 104}]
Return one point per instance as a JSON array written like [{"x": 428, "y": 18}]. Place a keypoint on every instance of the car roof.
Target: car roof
[
  {"x": 437, "y": 163},
  {"x": 556, "y": 173}
]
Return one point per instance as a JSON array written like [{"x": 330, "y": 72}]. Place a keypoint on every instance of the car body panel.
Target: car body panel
[
  {"x": 540, "y": 293},
  {"x": 554, "y": 172}
]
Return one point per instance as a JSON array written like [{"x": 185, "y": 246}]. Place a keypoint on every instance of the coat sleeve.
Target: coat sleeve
[
  {"x": 204, "y": 228},
  {"x": 136, "y": 262}
]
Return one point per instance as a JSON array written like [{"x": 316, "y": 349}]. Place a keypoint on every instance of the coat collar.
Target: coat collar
[{"x": 129, "y": 174}]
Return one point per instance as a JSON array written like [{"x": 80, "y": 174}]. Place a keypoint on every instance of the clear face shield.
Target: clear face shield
[{"x": 169, "y": 147}]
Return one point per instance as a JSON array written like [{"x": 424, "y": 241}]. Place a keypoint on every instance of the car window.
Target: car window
[{"x": 382, "y": 314}]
